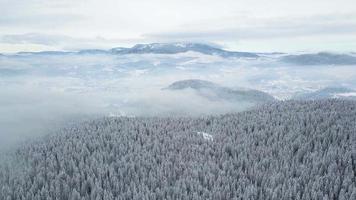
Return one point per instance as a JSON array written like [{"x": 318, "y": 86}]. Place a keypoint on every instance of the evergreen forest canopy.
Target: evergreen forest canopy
[{"x": 284, "y": 150}]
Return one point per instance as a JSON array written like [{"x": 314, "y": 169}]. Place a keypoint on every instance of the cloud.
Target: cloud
[
  {"x": 63, "y": 42},
  {"x": 268, "y": 28},
  {"x": 39, "y": 20},
  {"x": 34, "y": 38},
  {"x": 36, "y": 14}
]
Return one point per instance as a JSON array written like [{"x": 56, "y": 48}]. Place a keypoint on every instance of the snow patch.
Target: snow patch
[
  {"x": 348, "y": 94},
  {"x": 205, "y": 135}
]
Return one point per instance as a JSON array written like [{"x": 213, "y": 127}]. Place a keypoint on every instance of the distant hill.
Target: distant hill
[
  {"x": 214, "y": 91},
  {"x": 328, "y": 93},
  {"x": 322, "y": 58}
]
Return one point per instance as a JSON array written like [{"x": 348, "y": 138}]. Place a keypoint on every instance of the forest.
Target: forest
[{"x": 282, "y": 150}]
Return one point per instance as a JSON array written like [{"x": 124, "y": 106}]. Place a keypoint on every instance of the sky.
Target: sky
[{"x": 241, "y": 25}]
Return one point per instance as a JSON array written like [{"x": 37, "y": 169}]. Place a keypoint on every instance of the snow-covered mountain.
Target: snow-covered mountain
[
  {"x": 214, "y": 91},
  {"x": 173, "y": 48},
  {"x": 328, "y": 93},
  {"x": 322, "y": 58}
]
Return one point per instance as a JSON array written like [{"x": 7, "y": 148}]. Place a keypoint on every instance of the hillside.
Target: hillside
[
  {"x": 285, "y": 150},
  {"x": 215, "y": 91}
]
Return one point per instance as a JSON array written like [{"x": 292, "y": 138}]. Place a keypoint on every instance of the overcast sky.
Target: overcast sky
[{"x": 244, "y": 25}]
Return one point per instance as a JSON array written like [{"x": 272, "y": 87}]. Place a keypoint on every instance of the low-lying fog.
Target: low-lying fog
[{"x": 39, "y": 93}]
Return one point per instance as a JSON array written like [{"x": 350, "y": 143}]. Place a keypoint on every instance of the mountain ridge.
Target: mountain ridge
[
  {"x": 173, "y": 48},
  {"x": 153, "y": 48}
]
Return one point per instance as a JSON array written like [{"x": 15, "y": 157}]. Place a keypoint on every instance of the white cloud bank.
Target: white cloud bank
[{"x": 237, "y": 24}]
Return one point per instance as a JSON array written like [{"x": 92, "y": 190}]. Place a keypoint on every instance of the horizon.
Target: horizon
[{"x": 203, "y": 43}]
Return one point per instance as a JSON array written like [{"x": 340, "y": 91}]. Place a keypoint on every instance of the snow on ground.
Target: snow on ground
[
  {"x": 205, "y": 135},
  {"x": 348, "y": 94}
]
